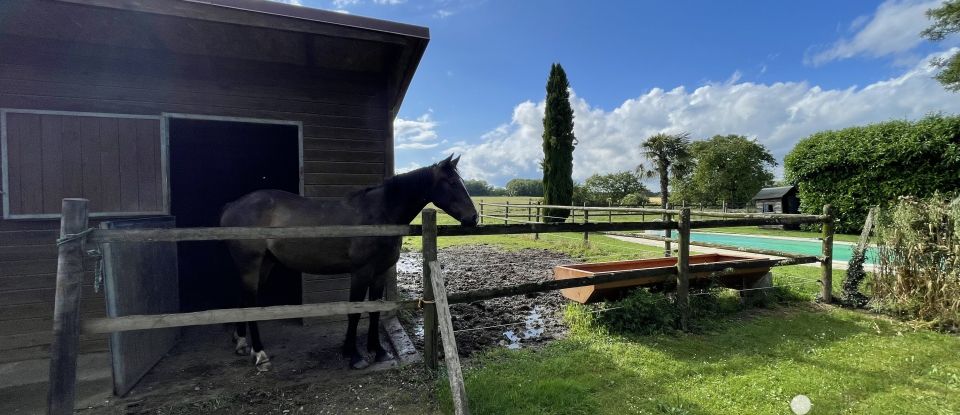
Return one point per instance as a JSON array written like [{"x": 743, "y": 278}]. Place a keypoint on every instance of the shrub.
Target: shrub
[
  {"x": 644, "y": 312},
  {"x": 859, "y": 167},
  {"x": 918, "y": 276}
]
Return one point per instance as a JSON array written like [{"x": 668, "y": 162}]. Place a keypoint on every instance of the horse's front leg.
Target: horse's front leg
[
  {"x": 373, "y": 334},
  {"x": 358, "y": 291}
]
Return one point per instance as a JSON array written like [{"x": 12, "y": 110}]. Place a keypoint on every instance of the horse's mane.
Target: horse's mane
[{"x": 421, "y": 178}]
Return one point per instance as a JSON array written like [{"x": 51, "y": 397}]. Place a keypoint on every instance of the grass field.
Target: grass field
[{"x": 754, "y": 361}]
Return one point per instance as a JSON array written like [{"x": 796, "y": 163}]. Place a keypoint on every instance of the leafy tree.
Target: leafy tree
[
  {"x": 946, "y": 20},
  {"x": 669, "y": 156},
  {"x": 727, "y": 168},
  {"x": 859, "y": 167},
  {"x": 478, "y": 187},
  {"x": 613, "y": 187},
  {"x": 558, "y": 144},
  {"x": 525, "y": 187}
]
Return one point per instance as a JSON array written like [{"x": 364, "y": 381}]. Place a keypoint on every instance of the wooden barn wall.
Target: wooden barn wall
[{"x": 347, "y": 143}]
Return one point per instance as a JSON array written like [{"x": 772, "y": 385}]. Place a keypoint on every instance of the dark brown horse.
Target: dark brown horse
[{"x": 397, "y": 201}]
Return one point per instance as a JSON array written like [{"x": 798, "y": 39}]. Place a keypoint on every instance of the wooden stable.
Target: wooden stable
[{"x": 168, "y": 108}]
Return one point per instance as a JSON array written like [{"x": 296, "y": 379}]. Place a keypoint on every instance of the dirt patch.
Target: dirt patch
[{"x": 512, "y": 322}]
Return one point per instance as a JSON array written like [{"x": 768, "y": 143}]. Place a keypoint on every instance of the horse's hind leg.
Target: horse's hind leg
[
  {"x": 373, "y": 333},
  {"x": 261, "y": 359},
  {"x": 358, "y": 290}
]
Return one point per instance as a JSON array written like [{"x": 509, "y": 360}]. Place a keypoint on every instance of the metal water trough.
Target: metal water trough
[{"x": 737, "y": 279}]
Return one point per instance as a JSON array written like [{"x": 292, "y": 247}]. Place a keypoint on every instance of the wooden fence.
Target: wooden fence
[{"x": 75, "y": 234}]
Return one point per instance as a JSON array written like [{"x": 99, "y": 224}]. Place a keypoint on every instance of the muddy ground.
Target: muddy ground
[
  {"x": 512, "y": 322},
  {"x": 309, "y": 376}
]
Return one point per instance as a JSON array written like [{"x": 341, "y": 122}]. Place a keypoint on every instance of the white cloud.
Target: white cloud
[
  {"x": 442, "y": 14},
  {"x": 390, "y": 2},
  {"x": 416, "y": 134},
  {"x": 340, "y": 4},
  {"x": 893, "y": 29},
  {"x": 776, "y": 114},
  {"x": 293, "y": 2}
]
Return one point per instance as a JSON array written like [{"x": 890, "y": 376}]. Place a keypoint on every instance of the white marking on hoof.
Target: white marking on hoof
[
  {"x": 241, "y": 347},
  {"x": 262, "y": 361}
]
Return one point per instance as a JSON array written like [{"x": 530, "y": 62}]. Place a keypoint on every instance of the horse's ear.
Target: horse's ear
[{"x": 455, "y": 161}]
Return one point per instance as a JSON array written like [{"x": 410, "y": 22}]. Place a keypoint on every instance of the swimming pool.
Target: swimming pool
[{"x": 841, "y": 252}]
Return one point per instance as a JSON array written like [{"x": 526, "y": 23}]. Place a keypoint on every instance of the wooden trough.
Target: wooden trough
[{"x": 738, "y": 279}]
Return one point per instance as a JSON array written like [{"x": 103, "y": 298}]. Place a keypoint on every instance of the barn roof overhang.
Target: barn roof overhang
[
  {"x": 773, "y": 193},
  {"x": 401, "y": 46}
]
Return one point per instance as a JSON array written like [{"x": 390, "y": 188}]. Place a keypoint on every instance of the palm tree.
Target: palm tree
[{"x": 669, "y": 156}]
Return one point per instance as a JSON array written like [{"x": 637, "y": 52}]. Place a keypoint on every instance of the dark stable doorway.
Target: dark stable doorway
[{"x": 213, "y": 163}]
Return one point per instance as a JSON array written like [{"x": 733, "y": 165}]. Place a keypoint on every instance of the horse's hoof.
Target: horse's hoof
[
  {"x": 360, "y": 364},
  {"x": 382, "y": 356},
  {"x": 241, "y": 348},
  {"x": 262, "y": 361}
]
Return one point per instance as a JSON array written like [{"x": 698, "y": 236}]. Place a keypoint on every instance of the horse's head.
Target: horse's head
[{"x": 450, "y": 194}]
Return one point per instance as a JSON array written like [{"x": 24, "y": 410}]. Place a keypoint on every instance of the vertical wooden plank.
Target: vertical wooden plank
[
  {"x": 826, "y": 268},
  {"x": 481, "y": 211},
  {"x": 90, "y": 161},
  {"x": 129, "y": 173},
  {"x": 31, "y": 165},
  {"x": 429, "y": 220},
  {"x": 52, "y": 162},
  {"x": 537, "y": 235},
  {"x": 683, "y": 268},
  {"x": 148, "y": 163},
  {"x": 666, "y": 232},
  {"x": 72, "y": 157},
  {"x": 450, "y": 354},
  {"x": 17, "y": 129},
  {"x": 506, "y": 213},
  {"x": 586, "y": 220},
  {"x": 109, "y": 165},
  {"x": 66, "y": 313}
]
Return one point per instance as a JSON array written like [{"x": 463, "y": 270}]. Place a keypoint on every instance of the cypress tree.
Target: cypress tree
[{"x": 558, "y": 143}]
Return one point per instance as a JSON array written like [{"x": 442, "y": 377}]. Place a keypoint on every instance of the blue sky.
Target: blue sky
[{"x": 773, "y": 71}]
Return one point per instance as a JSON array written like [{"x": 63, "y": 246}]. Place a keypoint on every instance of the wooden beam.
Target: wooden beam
[
  {"x": 219, "y": 234},
  {"x": 521, "y": 228},
  {"x": 815, "y": 218},
  {"x": 588, "y": 208},
  {"x": 722, "y": 223},
  {"x": 450, "y": 354},
  {"x": 683, "y": 268},
  {"x": 826, "y": 267},
  {"x": 62, "y": 392},
  {"x": 234, "y": 315},
  {"x": 429, "y": 219}
]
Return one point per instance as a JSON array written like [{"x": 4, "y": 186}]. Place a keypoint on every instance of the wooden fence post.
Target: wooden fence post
[
  {"x": 586, "y": 219},
  {"x": 481, "y": 211},
  {"x": 536, "y": 235},
  {"x": 683, "y": 268},
  {"x": 429, "y": 307},
  {"x": 609, "y": 212},
  {"x": 62, "y": 391},
  {"x": 666, "y": 232},
  {"x": 826, "y": 268},
  {"x": 506, "y": 213},
  {"x": 450, "y": 354}
]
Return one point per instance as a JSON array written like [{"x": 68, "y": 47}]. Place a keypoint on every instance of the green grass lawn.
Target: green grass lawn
[{"x": 753, "y": 361}]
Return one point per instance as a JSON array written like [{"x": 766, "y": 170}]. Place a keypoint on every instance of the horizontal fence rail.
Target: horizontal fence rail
[{"x": 236, "y": 315}]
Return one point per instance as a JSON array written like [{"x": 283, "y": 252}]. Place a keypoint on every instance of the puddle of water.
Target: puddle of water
[
  {"x": 533, "y": 329},
  {"x": 410, "y": 263},
  {"x": 418, "y": 328}
]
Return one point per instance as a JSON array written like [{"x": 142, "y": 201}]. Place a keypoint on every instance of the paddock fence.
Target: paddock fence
[{"x": 75, "y": 235}]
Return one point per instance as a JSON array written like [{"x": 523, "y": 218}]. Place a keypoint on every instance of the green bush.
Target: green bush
[
  {"x": 644, "y": 312},
  {"x": 918, "y": 276},
  {"x": 859, "y": 167}
]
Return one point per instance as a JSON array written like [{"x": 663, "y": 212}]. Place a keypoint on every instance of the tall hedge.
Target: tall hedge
[{"x": 859, "y": 167}]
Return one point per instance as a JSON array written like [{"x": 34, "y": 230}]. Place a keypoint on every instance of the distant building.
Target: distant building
[{"x": 778, "y": 200}]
